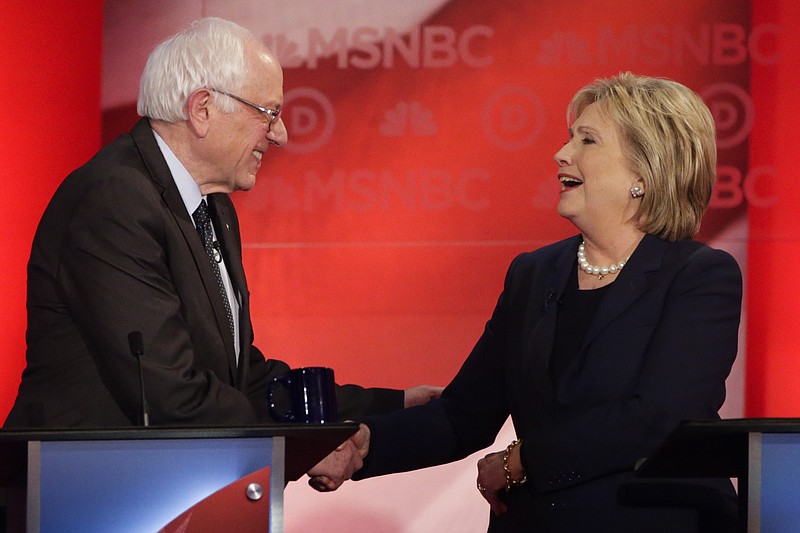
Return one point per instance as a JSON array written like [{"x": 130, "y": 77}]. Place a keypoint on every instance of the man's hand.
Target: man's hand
[
  {"x": 340, "y": 465},
  {"x": 421, "y": 395},
  {"x": 361, "y": 440}
]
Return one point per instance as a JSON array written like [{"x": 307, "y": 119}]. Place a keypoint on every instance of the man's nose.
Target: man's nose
[{"x": 277, "y": 133}]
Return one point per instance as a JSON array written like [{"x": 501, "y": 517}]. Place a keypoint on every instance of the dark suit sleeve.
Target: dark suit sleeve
[
  {"x": 117, "y": 275},
  {"x": 465, "y": 419},
  {"x": 353, "y": 402},
  {"x": 688, "y": 354}
]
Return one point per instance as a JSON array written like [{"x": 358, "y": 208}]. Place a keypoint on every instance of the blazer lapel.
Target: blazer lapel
[
  {"x": 227, "y": 233},
  {"x": 544, "y": 304},
  {"x": 224, "y": 220},
  {"x": 629, "y": 285},
  {"x": 159, "y": 171}
]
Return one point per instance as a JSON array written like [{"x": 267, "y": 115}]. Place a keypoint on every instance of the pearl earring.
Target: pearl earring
[{"x": 636, "y": 192}]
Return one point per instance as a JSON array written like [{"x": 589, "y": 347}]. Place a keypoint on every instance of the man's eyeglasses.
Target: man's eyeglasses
[{"x": 272, "y": 115}]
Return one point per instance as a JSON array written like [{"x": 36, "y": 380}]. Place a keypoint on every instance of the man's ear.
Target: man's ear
[{"x": 199, "y": 113}]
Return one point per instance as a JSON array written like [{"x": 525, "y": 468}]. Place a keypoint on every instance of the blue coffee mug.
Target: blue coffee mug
[{"x": 310, "y": 394}]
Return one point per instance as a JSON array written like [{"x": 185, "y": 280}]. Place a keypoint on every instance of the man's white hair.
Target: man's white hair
[{"x": 210, "y": 53}]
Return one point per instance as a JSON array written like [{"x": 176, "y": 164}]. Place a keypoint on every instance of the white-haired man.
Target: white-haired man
[{"x": 144, "y": 239}]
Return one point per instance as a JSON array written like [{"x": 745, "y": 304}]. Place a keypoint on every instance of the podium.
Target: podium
[
  {"x": 157, "y": 479},
  {"x": 762, "y": 453}
]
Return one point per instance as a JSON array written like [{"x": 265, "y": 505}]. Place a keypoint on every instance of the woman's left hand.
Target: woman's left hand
[{"x": 492, "y": 480}]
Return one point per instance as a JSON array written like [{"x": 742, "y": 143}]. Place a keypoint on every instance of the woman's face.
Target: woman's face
[{"x": 595, "y": 177}]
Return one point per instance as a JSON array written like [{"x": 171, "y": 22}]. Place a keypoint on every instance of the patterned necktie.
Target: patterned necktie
[{"x": 203, "y": 223}]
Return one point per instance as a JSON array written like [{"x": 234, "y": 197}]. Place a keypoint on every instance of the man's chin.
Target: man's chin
[{"x": 246, "y": 184}]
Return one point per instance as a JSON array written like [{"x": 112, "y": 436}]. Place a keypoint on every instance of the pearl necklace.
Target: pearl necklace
[{"x": 592, "y": 270}]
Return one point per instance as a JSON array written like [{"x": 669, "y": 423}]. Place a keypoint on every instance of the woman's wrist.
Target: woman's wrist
[{"x": 512, "y": 465}]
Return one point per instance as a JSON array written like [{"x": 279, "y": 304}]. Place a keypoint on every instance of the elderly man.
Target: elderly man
[{"x": 142, "y": 242}]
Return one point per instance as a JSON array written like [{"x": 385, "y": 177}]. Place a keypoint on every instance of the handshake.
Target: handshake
[{"x": 340, "y": 465}]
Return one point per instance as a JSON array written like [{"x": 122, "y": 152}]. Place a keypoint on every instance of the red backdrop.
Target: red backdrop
[
  {"x": 418, "y": 166},
  {"x": 773, "y": 365},
  {"x": 381, "y": 251},
  {"x": 50, "y": 123}
]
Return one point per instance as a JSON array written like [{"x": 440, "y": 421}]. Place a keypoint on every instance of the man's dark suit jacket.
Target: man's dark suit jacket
[
  {"x": 116, "y": 252},
  {"x": 658, "y": 351}
]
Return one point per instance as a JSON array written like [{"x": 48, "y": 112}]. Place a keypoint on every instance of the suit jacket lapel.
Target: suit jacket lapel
[
  {"x": 629, "y": 285},
  {"x": 545, "y": 300},
  {"x": 224, "y": 220},
  {"x": 227, "y": 232},
  {"x": 159, "y": 171}
]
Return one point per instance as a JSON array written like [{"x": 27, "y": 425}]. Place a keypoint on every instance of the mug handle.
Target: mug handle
[{"x": 285, "y": 417}]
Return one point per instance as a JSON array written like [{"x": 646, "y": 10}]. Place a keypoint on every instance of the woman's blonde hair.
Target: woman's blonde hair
[{"x": 668, "y": 137}]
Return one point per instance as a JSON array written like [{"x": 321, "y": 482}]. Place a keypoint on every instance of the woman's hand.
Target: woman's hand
[
  {"x": 492, "y": 480},
  {"x": 499, "y": 472}
]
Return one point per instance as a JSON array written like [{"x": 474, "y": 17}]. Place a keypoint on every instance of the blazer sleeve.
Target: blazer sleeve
[
  {"x": 467, "y": 417},
  {"x": 353, "y": 402},
  {"x": 681, "y": 375}
]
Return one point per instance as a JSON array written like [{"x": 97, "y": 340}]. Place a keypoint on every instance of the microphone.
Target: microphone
[
  {"x": 136, "y": 344},
  {"x": 217, "y": 251}
]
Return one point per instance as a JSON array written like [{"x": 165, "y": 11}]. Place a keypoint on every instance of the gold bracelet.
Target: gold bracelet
[{"x": 511, "y": 482}]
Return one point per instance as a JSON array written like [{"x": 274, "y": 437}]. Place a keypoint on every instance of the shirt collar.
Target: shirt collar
[{"x": 187, "y": 187}]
